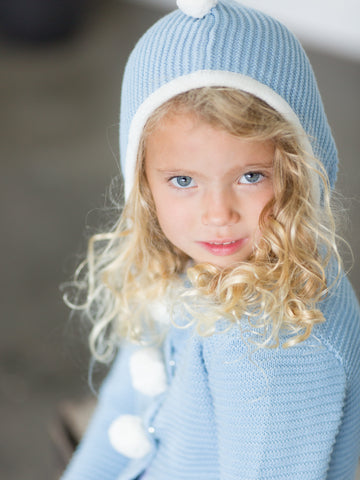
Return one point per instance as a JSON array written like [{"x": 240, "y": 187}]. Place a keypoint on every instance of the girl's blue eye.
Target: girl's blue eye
[
  {"x": 251, "y": 177},
  {"x": 182, "y": 181}
]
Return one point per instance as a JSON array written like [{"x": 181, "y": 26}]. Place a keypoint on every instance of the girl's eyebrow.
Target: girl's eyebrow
[
  {"x": 176, "y": 171},
  {"x": 257, "y": 166}
]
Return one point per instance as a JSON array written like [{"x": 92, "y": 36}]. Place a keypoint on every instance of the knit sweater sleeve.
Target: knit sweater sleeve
[
  {"x": 277, "y": 411},
  {"x": 95, "y": 458}
]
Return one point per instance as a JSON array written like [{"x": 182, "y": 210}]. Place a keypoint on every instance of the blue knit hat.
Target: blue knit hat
[{"x": 222, "y": 43}]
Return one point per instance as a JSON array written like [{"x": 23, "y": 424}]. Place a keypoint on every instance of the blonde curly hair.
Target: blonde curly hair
[{"x": 280, "y": 285}]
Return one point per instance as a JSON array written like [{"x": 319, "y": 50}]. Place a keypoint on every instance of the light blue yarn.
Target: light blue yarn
[{"x": 230, "y": 38}]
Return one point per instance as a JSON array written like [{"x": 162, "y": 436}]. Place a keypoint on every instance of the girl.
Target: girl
[{"x": 238, "y": 335}]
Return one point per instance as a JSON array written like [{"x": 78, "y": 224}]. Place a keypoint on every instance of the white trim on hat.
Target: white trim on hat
[{"x": 198, "y": 79}]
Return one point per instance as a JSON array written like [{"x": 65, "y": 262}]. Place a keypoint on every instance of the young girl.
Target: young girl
[{"x": 220, "y": 286}]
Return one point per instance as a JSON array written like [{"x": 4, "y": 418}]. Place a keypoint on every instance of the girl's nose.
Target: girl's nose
[{"x": 219, "y": 209}]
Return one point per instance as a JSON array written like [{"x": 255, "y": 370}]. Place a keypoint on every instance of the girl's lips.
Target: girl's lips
[{"x": 223, "y": 247}]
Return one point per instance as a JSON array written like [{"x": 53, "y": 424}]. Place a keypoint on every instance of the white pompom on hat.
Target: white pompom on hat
[{"x": 196, "y": 8}]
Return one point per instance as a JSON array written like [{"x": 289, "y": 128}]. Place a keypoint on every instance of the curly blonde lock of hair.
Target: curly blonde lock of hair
[{"x": 277, "y": 289}]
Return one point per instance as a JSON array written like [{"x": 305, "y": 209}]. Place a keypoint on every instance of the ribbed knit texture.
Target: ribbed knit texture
[
  {"x": 230, "y": 413},
  {"x": 227, "y": 414},
  {"x": 231, "y": 38}
]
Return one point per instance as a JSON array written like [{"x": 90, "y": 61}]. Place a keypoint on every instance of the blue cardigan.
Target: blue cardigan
[{"x": 232, "y": 413}]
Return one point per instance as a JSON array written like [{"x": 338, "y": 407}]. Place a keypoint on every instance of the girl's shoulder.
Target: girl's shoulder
[
  {"x": 340, "y": 332},
  {"x": 335, "y": 342}
]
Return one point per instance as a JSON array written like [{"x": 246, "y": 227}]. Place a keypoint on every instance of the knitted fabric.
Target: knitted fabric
[
  {"x": 231, "y": 46},
  {"x": 220, "y": 410},
  {"x": 275, "y": 414}
]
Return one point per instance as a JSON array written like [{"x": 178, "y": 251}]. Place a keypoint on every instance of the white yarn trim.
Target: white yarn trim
[
  {"x": 196, "y": 8},
  {"x": 207, "y": 78},
  {"x": 159, "y": 311},
  {"x": 127, "y": 436},
  {"x": 147, "y": 371}
]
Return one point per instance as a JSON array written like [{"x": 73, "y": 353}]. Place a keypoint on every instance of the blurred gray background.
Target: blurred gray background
[{"x": 59, "y": 115}]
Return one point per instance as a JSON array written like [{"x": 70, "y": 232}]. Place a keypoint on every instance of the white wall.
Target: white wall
[{"x": 332, "y": 25}]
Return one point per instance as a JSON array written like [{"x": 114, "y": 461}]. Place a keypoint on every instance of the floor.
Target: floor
[{"x": 59, "y": 105}]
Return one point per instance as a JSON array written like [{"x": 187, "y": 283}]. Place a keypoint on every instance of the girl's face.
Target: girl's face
[{"x": 209, "y": 188}]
